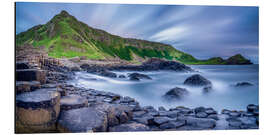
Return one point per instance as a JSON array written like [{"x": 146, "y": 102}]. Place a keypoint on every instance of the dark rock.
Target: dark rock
[
  {"x": 169, "y": 125},
  {"x": 155, "y": 64},
  {"x": 252, "y": 108},
  {"x": 22, "y": 65},
  {"x": 82, "y": 120},
  {"x": 175, "y": 94},
  {"x": 236, "y": 123},
  {"x": 210, "y": 111},
  {"x": 146, "y": 119},
  {"x": 213, "y": 116},
  {"x": 129, "y": 127},
  {"x": 204, "y": 123},
  {"x": 31, "y": 75},
  {"x": 199, "y": 109},
  {"x": 197, "y": 80},
  {"x": 122, "y": 76},
  {"x": 161, "y": 120},
  {"x": 207, "y": 89},
  {"x": 170, "y": 114},
  {"x": 243, "y": 84},
  {"x": 26, "y": 86},
  {"x": 161, "y": 108},
  {"x": 138, "y": 76},
  {"x": 225, "y": 111}
]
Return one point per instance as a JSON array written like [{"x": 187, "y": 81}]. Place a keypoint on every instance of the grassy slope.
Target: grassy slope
[{"x": 65, "y": 36}]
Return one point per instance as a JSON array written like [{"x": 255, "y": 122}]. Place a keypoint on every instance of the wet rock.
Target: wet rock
[
  {"x": 243, "y": 84},
  {"x": 213, "y": 116},
  {"x": 172, "y": 125},
  {"x": 26, "y": 86},
  {"x": 252, "y": 108},
  {"x": 138, "y": 113},
  {"x": 199, "y": 109},
  {"x": 201, "y": 115},
  {"x": 234, "y": 114},
  {"x": 138, "y": 76},
  {"x": 210, "y": 111},
  {"x": 127, "y": 100},
  {"x": 161, "y": 120},
  {"x": 248, "y": 122},
  {"x": 31, "y": 75},
  {"x": 204, "y": 123},
  {"x": 175, "y": 94},
  {"x": 161, "y": 108},
  {"x": 235, "y": 123},
  {"x": 146, "y": 119},
  {"x": 121, "y": 76},
  {"x": 225, "y": 111},
  {"x": 73, "y": 102},
  {"x": 183, "y": 110},
  {"x": 129, "y": 127},
  {"x": 207, "y": 89},
  {"x": 197, "y": 80},
  {"x": 170, "y": 114},
  {"x": 82, "y": 120},
  {"x": 37, "y": 111}
]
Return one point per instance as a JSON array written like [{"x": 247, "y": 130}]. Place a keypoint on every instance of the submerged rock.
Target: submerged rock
[
  {"x": 243, "y": 84},
  {"x": 176, "y": 94},
  {"x": 138, "y": 76},
  {"x": 197, "y": 80}
]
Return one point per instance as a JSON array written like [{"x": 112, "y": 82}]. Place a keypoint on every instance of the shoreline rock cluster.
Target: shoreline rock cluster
[{"x": 76, "y": 109}]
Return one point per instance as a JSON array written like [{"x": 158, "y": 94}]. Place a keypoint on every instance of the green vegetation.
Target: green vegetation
[{"x": 65, "y": 36}]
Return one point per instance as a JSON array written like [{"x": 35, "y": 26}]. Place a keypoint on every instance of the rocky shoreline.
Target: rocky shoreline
[{"x": 75, "y": 109}]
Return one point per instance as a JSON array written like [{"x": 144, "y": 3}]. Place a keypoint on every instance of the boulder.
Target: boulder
[
  {"x": 86, "y": 119},
  {"x": 252, "y": 108},
  {"x": 197, "y": 80},
  {"x": 37, "y": 111},
  {"x": 138, "y": 76},
  {"x": 176, "y": 94},
  {"x": 31, "y": 75},
  {"x": 199, "y": 109},
  {"x": 243, "y": 84},
  {"x": 129, "y": 127},
  {"x": 161, "y": 108},
  {"x": 26, "y": 86},
  {"x": 73, "y": 102}
]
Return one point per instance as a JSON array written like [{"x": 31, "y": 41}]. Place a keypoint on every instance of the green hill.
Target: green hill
[{"x": 65, "y": 36}]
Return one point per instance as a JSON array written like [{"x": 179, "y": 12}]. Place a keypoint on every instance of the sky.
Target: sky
[{"x": 202, "y": 31}]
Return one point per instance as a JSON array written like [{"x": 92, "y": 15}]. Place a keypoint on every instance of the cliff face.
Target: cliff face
[{"x": 65, "y": 36}]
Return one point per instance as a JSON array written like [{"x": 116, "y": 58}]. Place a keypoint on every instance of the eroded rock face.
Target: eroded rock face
[
  {"x": 129, "y": 127},
  {"x": 197, "y": 80},
  {"x": 37, "y": 111},
  {"x": 176, "y": 94},
  {"x": 86, "y": 119}
]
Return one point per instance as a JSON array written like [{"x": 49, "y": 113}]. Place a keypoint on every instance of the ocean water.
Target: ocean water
[{"x": 149, "y": 92}]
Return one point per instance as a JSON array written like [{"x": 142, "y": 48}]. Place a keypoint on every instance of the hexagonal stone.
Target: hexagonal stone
[
  {"x": 37, "y": 111},
  {"x": 129, "y": 127},
  {"x": 86, "y": 119},
  {"x": 31, "y": 75},
  {"x": 73, "y": 102}
]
